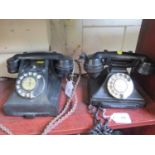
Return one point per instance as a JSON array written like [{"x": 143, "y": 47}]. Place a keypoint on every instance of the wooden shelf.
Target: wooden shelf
[{"x": 80, "y": 122}]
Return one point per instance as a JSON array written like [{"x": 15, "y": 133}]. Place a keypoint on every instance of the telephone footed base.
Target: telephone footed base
[
  {"x": 45, "y": 104},
  {"x": 100, "y": 97},
  {"x": 119, "y": 104}
]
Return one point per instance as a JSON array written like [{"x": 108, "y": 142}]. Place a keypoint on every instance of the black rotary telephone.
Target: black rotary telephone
[
  {"x": 38, "y": 83},
  {"x": 110, "y": 84}
]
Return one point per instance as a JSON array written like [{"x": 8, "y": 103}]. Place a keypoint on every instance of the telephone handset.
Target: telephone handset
[
  {"x": 110, "y": 84},
  {"x": 38, "y": 84}
]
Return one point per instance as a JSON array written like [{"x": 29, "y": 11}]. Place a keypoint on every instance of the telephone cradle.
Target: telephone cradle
[
  {"x": 38, "y": 84},
  {"x": 110, "y": 82}
]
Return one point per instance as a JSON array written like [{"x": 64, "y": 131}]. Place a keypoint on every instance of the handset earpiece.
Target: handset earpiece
[
  {"x": 146, "y": 68},
  {"x": 64, "y": 66},
  {"x": 93, "y": 65},
  {"x": 13, "y": 64}
]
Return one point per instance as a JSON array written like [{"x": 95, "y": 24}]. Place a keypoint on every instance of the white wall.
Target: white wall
[
  {"x": 17, "y": 36},
  {"x": 94, "y": 35},
  {"x": 67, "y": 36},
  {"x": 23, "y": 35}
]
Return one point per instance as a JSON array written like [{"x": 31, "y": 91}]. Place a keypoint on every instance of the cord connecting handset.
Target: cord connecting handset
[
  {"x": 38, "y": 84},
  {"x": 112, "y": 84}
]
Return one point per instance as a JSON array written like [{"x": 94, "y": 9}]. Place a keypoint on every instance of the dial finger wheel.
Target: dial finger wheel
[
  {"x": 30, "y": 85},
  {"x": 120, "y": 85}
]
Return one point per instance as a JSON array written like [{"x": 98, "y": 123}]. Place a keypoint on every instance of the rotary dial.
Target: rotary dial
[
  {"x": 30, "y": 85},
  {"x": 120, "y": 85}
]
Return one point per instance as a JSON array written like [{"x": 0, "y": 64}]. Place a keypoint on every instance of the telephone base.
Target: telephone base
[
  {"x": 43, "y": 105},
  {"x": 100, "y": 97},
  {"x": 16, "y": 106},
  {"x": 118, "y": 104}
]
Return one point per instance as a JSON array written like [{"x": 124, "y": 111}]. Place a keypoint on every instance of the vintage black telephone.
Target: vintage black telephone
[
  {"x": 110, "y": 84},
  {"x": 38, "y": 83}
]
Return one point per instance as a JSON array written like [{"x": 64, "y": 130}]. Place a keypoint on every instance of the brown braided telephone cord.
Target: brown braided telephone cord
[{"x": 60, "y": 118}]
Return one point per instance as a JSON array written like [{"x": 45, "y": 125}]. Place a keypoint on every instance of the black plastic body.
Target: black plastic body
[
  {"x": 101, "y": 65},
  {"x": 47, "y": 103},
  {"x": 100, "y": 97}
]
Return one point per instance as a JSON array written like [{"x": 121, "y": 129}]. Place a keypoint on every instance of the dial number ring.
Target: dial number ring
[
  {"x": 120, "y": 85},
  {"x": 30, "y": 85}
]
